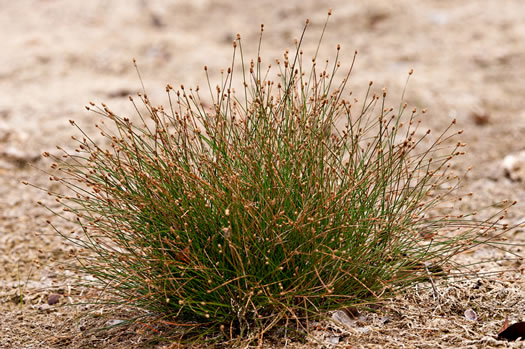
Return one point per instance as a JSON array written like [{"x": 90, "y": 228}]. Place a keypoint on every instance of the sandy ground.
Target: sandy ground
[{"x": 58, "y": 55}]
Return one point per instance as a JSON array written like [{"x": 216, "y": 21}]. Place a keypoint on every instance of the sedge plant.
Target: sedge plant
[{"x": 283, "y": 200}]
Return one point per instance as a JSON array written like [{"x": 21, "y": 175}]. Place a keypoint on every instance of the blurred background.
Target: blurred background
[
  {"x": 468, "y": 59},
  {"x": 58, "y": 55}
]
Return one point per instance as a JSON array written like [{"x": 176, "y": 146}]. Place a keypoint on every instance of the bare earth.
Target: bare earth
[{"x": 58, "y": 55}]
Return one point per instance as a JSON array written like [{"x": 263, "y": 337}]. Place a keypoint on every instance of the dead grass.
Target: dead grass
[{"x": 418, "y": 319}]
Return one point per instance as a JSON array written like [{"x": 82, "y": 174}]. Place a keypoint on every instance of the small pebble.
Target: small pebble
[
  {"x": 114, "y": 322},
  {"x": 514, "y": 166},
  {"x": 53, "y": 299},
  {"x": 45, "y": 307},
  {"x": 471, "y": 315},
  {"x": 341, "y": 317}
]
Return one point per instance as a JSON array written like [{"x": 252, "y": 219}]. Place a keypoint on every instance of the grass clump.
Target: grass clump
[{"x": 280, "y": 203}]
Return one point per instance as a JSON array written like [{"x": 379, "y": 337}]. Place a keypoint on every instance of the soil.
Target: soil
[{"x": 58, "y": 55}]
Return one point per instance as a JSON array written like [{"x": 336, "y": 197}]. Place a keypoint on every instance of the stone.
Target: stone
[{"x": 514, "y": 166}]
